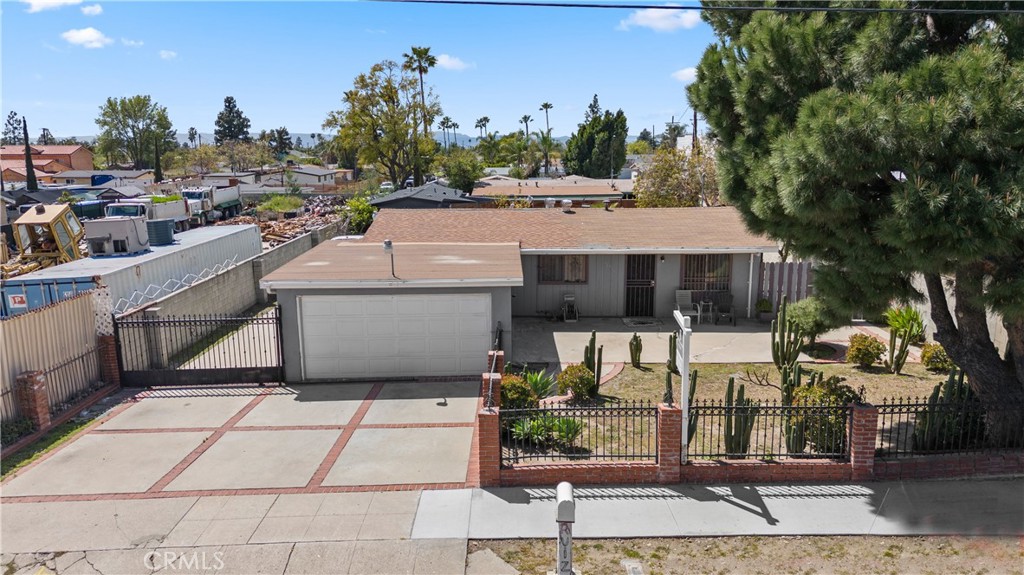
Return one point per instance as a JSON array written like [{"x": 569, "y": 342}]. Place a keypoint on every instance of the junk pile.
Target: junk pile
[{"x": 278, "y": 228}]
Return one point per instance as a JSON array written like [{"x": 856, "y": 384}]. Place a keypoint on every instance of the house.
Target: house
[
  {"x": 227, "y": 179},
  {"x": 303, "y": 176},
  {"x": 430, "y": 195},
  {"x": 568, "y": 187},
  {"x": 139, "y": 178},
  {"x": 356, "y": 310},
  {"x": 47, "y": 166},
  {"x": 614, "y": 263},
  {"x": 75, "y": 157},
  {"x": 15, "y": 173},
  {"x": 104, "y": 192}
]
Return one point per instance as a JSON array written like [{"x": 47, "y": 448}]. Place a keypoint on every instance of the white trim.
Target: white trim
[
  {"x": 358, "y": 284},
  {"x": 302, "y": 351},
  {"x": 638, "y": 250}
]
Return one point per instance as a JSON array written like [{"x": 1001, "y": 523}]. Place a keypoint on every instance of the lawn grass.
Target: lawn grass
[
  {"x": 48, "y": 442},
  {"x": 281, "y": 203},
  {"x": 648, "y": 382}
]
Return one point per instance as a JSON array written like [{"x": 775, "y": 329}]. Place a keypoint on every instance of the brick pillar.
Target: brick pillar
[
  {"x": 489, "y": 438},
  {"x": 670, "y": 443},
  {"x": 499, "y": 366},
  {"x": 109, "y": 371},
  {"x": 491, "y": 381},
  {"x": 33, "y": 398},
  {"x": 862, "y": 435}
]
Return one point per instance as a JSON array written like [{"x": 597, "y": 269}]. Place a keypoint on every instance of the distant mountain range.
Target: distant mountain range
[{"x": 464, "y": 140}]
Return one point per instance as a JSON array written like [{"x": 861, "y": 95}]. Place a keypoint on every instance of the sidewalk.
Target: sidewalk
[{"x": 426, "y": 532}]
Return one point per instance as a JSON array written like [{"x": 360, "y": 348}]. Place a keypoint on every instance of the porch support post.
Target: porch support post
[
  {"x": 682, "y": 352},
  {"x": 750, "y": 289}
]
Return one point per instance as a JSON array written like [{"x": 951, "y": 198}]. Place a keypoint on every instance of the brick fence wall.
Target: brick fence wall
[{"x": 861, "y": 466}]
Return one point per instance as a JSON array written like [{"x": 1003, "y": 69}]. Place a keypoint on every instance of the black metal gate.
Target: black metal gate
[
  {"x": 199, "y": 350},
  {"x": 640, "y": 285}
]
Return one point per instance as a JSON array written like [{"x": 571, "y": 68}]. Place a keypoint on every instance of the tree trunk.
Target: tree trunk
[{"x": 968, "y": 343}]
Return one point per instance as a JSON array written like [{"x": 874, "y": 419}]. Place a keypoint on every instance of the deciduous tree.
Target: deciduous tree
[
  {"x": 461, "y": 168},
  {"x": 678, "y": 179},
  {"x": 130, "y": 125},
  {"x": 884, "y": 146}
]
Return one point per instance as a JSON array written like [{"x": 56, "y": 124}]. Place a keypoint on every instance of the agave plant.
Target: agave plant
[{"x": 541, "y": 383}]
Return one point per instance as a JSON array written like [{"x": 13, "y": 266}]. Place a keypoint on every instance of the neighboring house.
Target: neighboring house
[
  {"x": 303, "y": 176},
  {"x": 43, "y": 196},
  {"x": 614, "y": 263},
  {"x": 568, "y": 187},
  {"x": 117, "y": 192},
  {"x": 19, "y": 174},
  {"x": 73, "y": 157},
  {"x": 139, "y": 178},
  {"x": 47, "y": 166},
  {"x": 431, "y": 195},
  {"x": 226, "y": 179}
]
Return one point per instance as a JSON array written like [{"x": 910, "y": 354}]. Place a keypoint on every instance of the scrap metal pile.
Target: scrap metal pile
[{"x": 277, "y": 228}]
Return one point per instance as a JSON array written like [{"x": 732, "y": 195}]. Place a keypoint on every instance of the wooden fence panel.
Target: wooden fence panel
[{"x": 792, "y": 279}]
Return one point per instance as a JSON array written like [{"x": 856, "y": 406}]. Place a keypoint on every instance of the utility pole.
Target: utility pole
[{"x": 695, "y": 129}]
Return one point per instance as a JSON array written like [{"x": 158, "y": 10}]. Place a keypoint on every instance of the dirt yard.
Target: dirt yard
[
  {"x": 648, "y": 382},
  {"x": 774, "y": 555}
]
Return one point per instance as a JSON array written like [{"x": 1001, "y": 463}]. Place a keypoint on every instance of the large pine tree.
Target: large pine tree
[
  {"x": 888, "y": 146},
  {"x": 231, "y": 124},
  {"x": 598, "y": 147}
]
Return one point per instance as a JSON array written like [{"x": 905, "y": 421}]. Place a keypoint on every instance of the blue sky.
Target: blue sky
[{"x": 287, "y": 63}]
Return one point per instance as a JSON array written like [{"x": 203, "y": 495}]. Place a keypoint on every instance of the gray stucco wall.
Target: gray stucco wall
[{"x": 501, "y": 310}]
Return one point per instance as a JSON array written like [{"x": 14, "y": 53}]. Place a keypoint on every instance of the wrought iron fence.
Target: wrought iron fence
[
  {"x": 72, "y": 380},
  {"x": 913, "y": 426},
  {"x": 9, "y": 410},
  {"x": 625, "y": 431},
  {"x": 768, "y": 431}
]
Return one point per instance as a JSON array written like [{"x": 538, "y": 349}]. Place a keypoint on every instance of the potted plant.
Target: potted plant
[{"x": 764, "y": 310}]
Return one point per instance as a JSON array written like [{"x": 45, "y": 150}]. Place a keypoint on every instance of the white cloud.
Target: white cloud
[
  {"x": 686, "y": 75},
  {"x": 168, "y": 55},
  {"x": 94, "y": 10},
  {"x": 452, "y": 63},
  {"x": 132, "y": 43},
  {"x": 40, "y": 5},
  {"x": 86, "y": 37},
  {"x": 661, "y": 20}
]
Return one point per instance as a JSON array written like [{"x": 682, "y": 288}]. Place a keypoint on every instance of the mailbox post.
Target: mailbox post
[{"x": 566, "y": 516}]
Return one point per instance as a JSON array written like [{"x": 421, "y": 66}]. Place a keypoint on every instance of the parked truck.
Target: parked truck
[
  {"x": 154, "y": 208},
  {"x": 216, "y": 203}
]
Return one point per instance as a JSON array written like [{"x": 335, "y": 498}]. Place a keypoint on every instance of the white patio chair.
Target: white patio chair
[{"x": 685, "y": 305}]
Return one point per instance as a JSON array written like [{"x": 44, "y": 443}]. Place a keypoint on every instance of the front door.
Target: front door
[{"x": 640, "y": 285}]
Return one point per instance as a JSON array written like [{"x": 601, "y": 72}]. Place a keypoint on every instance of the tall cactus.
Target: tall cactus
[
  {"x": 953, "y": 417},
  {"x": 691, "y": 423},
  {"x": 898, "y": 353},
  {"x": 667, "y": 397},
  {"x": 597, "y": 371},
  {"x": 787, "y": 338},
  {"x": 636, "y": 346},
  {"x": 671, "y": 363},
  {"x": 739, "y": 421},
  {"x": 589, "y": 351}
]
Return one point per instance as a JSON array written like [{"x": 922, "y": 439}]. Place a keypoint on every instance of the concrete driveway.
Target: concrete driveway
[{"x": 308, "y": 439}]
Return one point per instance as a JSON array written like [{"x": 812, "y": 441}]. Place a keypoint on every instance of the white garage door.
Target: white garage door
[{"x": 371, "y": 336}]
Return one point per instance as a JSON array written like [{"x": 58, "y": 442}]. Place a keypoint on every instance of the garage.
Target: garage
[
  {"x": 356, "y": 311},
  {"x": 363, "y": 336}
]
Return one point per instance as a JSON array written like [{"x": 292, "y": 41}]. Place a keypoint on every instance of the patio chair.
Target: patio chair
[
  {"x": 724, "y": 310},
  {"x": 685, "y": 305}
]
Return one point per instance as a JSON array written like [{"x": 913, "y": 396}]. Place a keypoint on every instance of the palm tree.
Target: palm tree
[
  {"x": 489, "y": 149},
  {"x": 545, "y": 107},
  {"x": 548, "y": 146},
  {"x": 455, "y": 136},
  {"x": 481, "y": 124},
  {"x": 444, "y": 124},
  {"x": 526, "y": 122},
  {"x": 419, "y": 60}
]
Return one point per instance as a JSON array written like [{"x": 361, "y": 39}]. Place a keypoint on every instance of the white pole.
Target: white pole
[
  {"x": 565, "y": 517},
  {"x": 683, "y": 361},
  {"x": 750, "y": 288}
]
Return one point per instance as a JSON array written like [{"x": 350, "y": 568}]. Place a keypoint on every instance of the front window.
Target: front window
[
  {"x": 562, "y": 269},
  {"x": 705, "y": 272}
]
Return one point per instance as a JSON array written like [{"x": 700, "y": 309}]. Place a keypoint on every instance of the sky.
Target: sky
[{"x": 288, "y": 63}]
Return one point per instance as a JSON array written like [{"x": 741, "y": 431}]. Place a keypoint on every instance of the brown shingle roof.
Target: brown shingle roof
[
  {"x": 350, "y": 264},
  {"x": 587, "y": 229}
]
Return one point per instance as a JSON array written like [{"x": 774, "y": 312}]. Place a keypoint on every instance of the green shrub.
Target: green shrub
[
  {"x": 864, "y": 350},
  {"x": 578, "y": 380},
  {"x": 567, "y": 430},
  {"x": 13, "y": 430},
  {"x": 540, "y": 382},
  {"x": 812, "y": 317},
  {"x": 763, "y": 305},
  {"x": 934, "y": 358},
  {"x": 517, "y": 394},
  {"x": 825, "y": 429},
  {"x": 280, "y": 203}
]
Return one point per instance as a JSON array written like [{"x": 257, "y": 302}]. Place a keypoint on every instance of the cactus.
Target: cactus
[
  {"x": 787, "y": 339},
  {"x": 671, "y": 363},
  {"x": 597, "y": 371},
  {"x": 739, "y": 422},
  {"x": 794, "y": 426},
  {"x": 898, "y": 354},
  {"x": 588, "y": 352},
  {"x": 667, "y": 398},
  {"x": 953, "y": 418},
  {"x": 691, "y": 423},
  {"x": 636, "y": 346}
]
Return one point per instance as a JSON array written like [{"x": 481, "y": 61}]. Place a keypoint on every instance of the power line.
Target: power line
[{"x": 720, "y": 8}]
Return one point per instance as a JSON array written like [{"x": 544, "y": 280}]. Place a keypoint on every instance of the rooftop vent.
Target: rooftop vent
[{"x": 567, "y": 206}]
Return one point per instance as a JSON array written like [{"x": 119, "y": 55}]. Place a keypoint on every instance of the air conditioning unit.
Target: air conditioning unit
[{"x": 120, "y": 236}]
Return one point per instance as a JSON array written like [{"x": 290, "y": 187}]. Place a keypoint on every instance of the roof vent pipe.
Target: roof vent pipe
[
  {"x": 549, "y": 203},
  {"x": 567, "y": 206}
]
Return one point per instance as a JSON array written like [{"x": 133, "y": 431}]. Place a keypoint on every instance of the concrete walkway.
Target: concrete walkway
[{"x": 426, "y": 532}]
